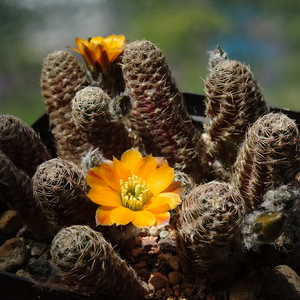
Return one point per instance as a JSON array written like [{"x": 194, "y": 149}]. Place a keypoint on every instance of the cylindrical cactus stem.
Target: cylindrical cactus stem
[
  {"x": 158, "y": 110},
  {"x": 16, "y": 191},
  {"x": 209, "y": 230},
  {"x": 62, "y": 76},
  {"x": 268, "y": 158},
  {"x": 91, "y": 114},
  {"x": 60, "y": 188},
  {"x": 21, "y": 144},
  {"x": 88, "y": 264},
  {"x": 233, "y": 103}
]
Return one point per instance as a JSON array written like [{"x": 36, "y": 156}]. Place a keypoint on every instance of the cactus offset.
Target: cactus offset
[
  {"x": 158, "y": 111},
  {"x": 61, "y": 78},
  {"x": 89, "y": 265},
  {"x": 21, "y": 144},
  {"x": 91, "y": 114},
  {"x": 60, "y": 188},
  {"x": 268, "y": 158},
  {"x": 208, "y": 229},
  {"x": 16, "y": 191},
  {"x": 233, "y": 103}
]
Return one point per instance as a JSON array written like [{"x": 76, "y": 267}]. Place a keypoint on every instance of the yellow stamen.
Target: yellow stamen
[{"x": 135, "y": 193}]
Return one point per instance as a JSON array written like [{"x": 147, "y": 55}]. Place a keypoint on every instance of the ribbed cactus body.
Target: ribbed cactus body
[
  {"x": 60, "y": 188},
  {"x": 158, "y": 111},
  {"x": 16, "y": 191},
  {"x": 233, "y": 103},
  {"x": 92, "y": 115},
  {"x": 268, "y": 158},
  {"x": 208, "y": 229},
  {"x": 62, "y": 76},
  {"x": 89, "y": 265},
  {"x": 21, "y": 144}
]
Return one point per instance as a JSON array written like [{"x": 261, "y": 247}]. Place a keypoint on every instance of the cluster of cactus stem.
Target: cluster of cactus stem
[{"x": 240, "y": 170}]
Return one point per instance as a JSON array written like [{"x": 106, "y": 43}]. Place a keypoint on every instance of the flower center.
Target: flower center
[{"x": 135, "y": 193}]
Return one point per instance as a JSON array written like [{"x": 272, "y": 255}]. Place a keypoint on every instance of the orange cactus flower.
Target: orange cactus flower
[
  {"x": 98, "y": 52},
  {"x": 134, "y": 189}
]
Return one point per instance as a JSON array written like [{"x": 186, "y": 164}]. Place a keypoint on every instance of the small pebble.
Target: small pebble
[
  {"x": 176, "y": 287},
  {"x": 174, "y": 263},
  {"x": 10, "y": 222},
  {"x": 163, "y": 234},
  {"x": 156, "y": 282},
  {"x": 137, "y": 251},
  {"x": 140, "y": 265},
  {"x": 13, "y": 253},
  {"x": 143, "y": 273},
  {"x": 175, "y": 278},
  {"x": 153, "y": 231}
]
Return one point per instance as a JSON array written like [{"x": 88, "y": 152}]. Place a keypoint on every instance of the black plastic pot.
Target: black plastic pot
[{"x": 17, "y": 288}]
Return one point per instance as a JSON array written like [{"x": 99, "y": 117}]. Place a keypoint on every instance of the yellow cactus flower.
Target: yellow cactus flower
[
  {"x": 98, "y": 52},
  {"x": 134, "y": 189}
]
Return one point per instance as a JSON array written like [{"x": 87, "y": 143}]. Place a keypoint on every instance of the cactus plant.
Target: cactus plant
[
  {"x": 268, "y": 158},
  {"x": 92, "y": 115},
  {"x": 16, "y": 191},
  {"x": 158, "y": 111},
  {"x": 208, "y": 230},
  {"x": 62, "y": 76},
  {"x": 21, "y": 144},
  {"x": 88, "y": 264},
  {"x": 60, "y": 188},
  {"x": 233, "y": 103}
]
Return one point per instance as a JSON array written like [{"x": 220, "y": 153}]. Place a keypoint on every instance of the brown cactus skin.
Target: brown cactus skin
[
  {"x": 89, "y": 265},
  {"x": 208, "y": 231},
  {"x": 60, "y": 188},
  {"x": 92, "y": 115},
  {"x": 21, "y": 144},
  {"x": 268, "y": 158},
  {"x": 233, "y": 103},
  {"x": 16, "y": 191},
  {"x": 62, "y": 76},
  {"x": 158, "y": 111}
]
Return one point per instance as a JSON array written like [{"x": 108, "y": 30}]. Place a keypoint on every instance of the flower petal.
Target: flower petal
[
  {"x": 145, "y": 167},
  {"x": 144, "y": 219},
  {"x": 160, "y": 179},
  {"x": 175, "y": 187},
  {"x": 162, "y": 219},
  {"x": 105, "y": 196},
  {"x": 113, "y": 173},
  {"x": 114, "y": 215},
  {"x": 130, "y": 159},
  {"x": 162, "y": 203}
]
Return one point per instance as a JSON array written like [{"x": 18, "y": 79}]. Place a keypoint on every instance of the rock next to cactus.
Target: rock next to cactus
[
  {"x": 158, "y": 111},
  {"x": 88, "y": 264},
  {"x": 92, "y": 114},
  {"x": 59, "y": 186},
  {"x": 62, "y": 76},
  {"x": 209, "y": 230},
  {"x": 21, "y": 144}
]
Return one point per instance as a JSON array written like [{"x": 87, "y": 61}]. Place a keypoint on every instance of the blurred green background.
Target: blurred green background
[{"x": 264, "y": 34}]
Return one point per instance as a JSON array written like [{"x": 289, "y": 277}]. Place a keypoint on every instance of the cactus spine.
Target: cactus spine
[
  {"x": 61, "y": 78},
  {"x": 89, "y": 265},
  {"x": 158, "y": 111}
]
